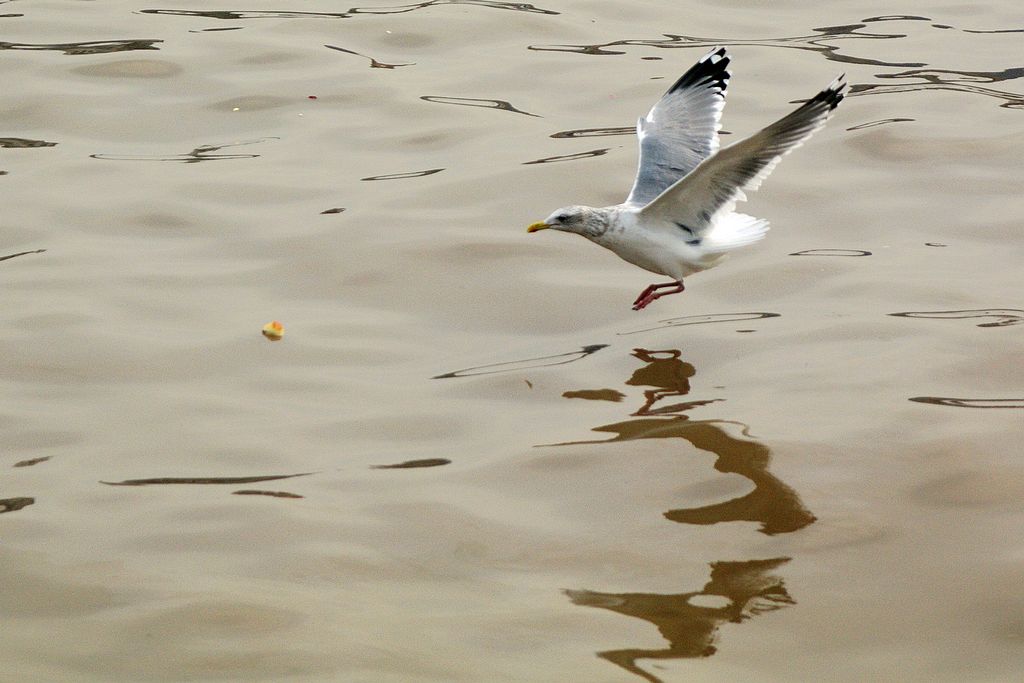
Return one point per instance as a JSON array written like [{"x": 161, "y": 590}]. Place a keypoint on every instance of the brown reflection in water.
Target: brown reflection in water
[
  {"x": 832, "y": 252},
  {"x": 274, "y": 494},
  {"x": 201, "y": 153},
  {"x": 374, "y": 64},
  {"x": 772, "y": 503},
  {"x": 414, "y": 464},
  {"x": 704, "y": 320},
  {"x": 401, "y": 176},
  {"x": 569, "y": 157},
  {"x": 22, "y": 253},
  {"x": 476, "y": 102},
  {"x": 525, "y": 364},
  {"x": 746, "y": 589},
  {"x": 396, "y": 9},
  {"x": 880, "y": 122},
  {"x": 596, "y": 132},
  {"x": 819, "y": 41},
  {"x": 24, "y": 143},
  {"x": 90, "y": 47},
  {"x": 12, "y": 504},
  {"x": 31, "y": 461},
  {"x": 203, "y": 480},
  {"x": 948, "y": 79},
  {"x": 1003, "y": 316},
  {"x": 999, "y": 403}
]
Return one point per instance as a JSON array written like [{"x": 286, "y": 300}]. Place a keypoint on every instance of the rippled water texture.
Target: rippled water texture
[{"x": 467, "y": 459}]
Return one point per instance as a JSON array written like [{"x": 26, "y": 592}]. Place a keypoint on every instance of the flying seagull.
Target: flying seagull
[{"x": 680, "y": 216}]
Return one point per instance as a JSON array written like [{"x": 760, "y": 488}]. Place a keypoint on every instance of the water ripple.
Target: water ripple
[
  {"x": 22, "y": 253},
  {"x": 203, "y": 480},
  {"x": 569, "y": 157},
  {"x": 525, "y": 364},
  {"x": 831, "y": 252},
  {"x": 1004, "y": 316},
  {"x": 999, "y": 403},
  {"x": 201, "y": 153},
  {"x": 705, "y": 319},
  {"x": 407, "y": 174},
  {"x": 230, "y": 15},
  {"x": 476, "y": 102},
  {"x": 374, "y": 64},
  {"x": 90, "y": 47}
]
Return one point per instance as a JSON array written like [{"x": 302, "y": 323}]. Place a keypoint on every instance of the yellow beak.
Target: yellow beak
[{"x": 538, "y": 226}]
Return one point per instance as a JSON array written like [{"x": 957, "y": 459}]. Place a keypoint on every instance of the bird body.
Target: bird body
[{"x": 679, "y": 217}]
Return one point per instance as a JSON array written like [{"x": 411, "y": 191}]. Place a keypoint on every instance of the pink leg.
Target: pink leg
[{"x": 651, "y": 293}]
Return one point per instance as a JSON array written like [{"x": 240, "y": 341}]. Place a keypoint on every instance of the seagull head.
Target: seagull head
[{"x": 581, "y": 220}]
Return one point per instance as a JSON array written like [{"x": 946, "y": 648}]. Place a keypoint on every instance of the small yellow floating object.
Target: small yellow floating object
[{"x": 273, "y": 331}]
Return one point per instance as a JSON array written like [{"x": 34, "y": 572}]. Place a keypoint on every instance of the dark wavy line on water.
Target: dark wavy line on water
[
  {"x": 525, "y": 364},
  {"x": 24, "y": 143},
  {"x": 476, "y": 102},
  {"x": 706, "y": 319},
  {"x": 22, "y": 253},
  {"x": 949, "y": 79},
  {"x": 414, "y": 464},
  {"x": 985, "y": 403},
  {"x": 401, "y": 176},
  {"x": 832, "y": 252},
  {"x": 570, "y": 157},
  {"x": 231, "y": 15},
  {"x": 1004, "y": 316},
  {"x": 90, "y": 47},
  {"x": 12, "y": 504},
  {"x": 203, "y": 480},
  {"x": 595, "y": 132},
  {"x": 374, "y": 64},
  {"x": 815, "y": 42},
  {"x": 879, "y": 122},
  {"x": 201, "y": 153}
]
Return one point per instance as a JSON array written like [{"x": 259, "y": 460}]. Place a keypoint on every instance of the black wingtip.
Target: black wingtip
[
  {"x": 710, "y": 70},
  {"x": 833, "y": 94}
]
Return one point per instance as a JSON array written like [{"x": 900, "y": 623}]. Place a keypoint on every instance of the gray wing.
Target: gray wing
[
  {"x": 719, "y": 181},
  {"x": 681, "y": 130}
]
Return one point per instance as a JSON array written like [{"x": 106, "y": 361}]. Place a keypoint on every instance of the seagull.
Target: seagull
[{"x": 680, "y": 216}]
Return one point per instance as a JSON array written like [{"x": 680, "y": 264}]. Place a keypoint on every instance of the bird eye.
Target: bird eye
[{"x": 562, "y": 217}]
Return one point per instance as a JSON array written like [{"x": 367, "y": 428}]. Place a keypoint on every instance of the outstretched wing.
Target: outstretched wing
[
  {"x": 681, "y": 130},
  {"x": 719, "y": 181}
]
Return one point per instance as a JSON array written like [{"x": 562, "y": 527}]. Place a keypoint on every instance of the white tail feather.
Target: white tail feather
[{"x": 734, "y": 230}]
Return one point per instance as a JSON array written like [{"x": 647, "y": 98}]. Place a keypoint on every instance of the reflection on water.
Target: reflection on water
[
  {"x": 12, "y": 504},
  {"x": 595, "y": 132},
  {"x": 25, "y": 142},
  {"x": 89, "y": 47},
  {"x": 705, "y": 319},
  {"x": 414, "y": 464},
  {"x": 22, "y": 253},
  {"x": 201, "y": 153},
  {"x": 31, "y": 461},
  {"x": 476, "y": 102},
  {"x": 274, "y": 494},
  {"x": 525, "y": 364},
  {"x": 1003, "y": 316},
  {"x": 774, "y": 505},
  {"x": 354, "y": 11},
  {"x": 374, "y": 64},
  {"x": 203, "y": 480},
  {"x": 401, "y": 176},
  {"x": 970, "y": 402},
  {"x": 569, "y": 157},
  {"x": 880, "y": 122},
  {"x": 831, "y": 252},
  {"x": 736, "y": 592},
  {"x": 819, "y": 41}
]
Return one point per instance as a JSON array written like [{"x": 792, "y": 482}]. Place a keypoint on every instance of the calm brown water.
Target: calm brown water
[{"x": 807, "y": 467}]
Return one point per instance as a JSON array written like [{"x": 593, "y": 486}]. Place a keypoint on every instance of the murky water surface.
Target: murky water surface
[{"x": 468, "y": 459}]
